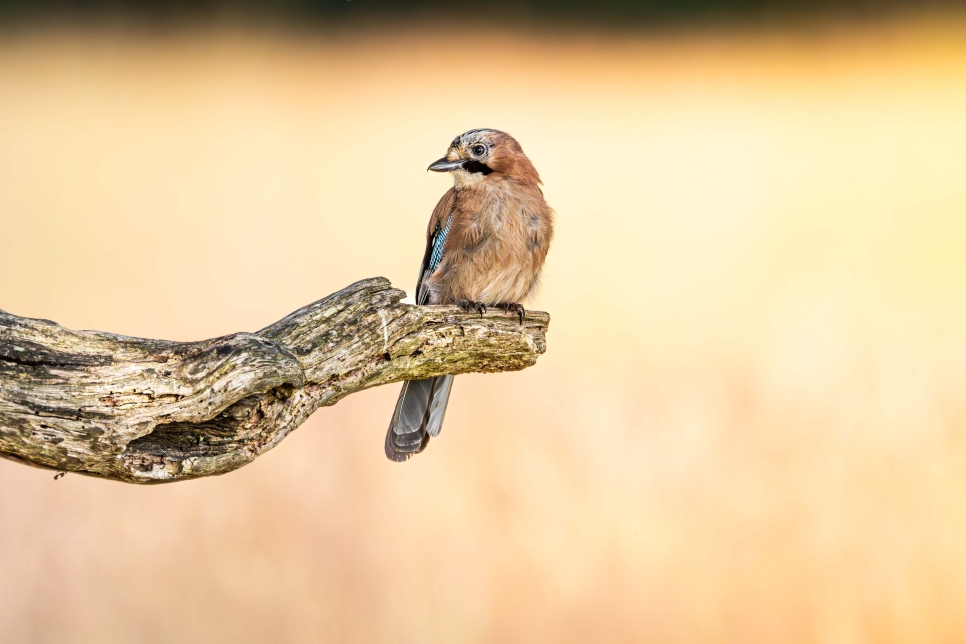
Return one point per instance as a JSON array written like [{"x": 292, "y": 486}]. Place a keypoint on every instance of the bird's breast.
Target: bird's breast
[{"x": 491, "y": 256}]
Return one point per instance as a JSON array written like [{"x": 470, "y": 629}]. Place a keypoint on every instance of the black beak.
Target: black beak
[{"x": 445, "y": 165}]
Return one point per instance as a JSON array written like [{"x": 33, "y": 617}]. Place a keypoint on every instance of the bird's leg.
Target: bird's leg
[
  {"x": 513, "y": 307},
  {"x": 470, "y": 305}
]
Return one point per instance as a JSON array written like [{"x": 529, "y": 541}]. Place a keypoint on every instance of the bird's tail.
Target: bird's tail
[{"x": 418, "y": 416}]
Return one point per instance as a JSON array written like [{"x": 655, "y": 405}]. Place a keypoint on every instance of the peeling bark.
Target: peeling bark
[{"x": 153, "y": 411}]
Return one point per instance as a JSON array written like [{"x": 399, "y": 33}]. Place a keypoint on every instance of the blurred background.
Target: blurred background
[{"x": 750, "y": 425}]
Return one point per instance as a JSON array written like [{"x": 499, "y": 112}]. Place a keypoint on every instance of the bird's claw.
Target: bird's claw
[
  {"x": 514, "y": 307},
  {"x": 469, "y": 305}
]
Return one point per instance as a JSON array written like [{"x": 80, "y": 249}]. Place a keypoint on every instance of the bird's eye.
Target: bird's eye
[{"x": 478, "y": 150}]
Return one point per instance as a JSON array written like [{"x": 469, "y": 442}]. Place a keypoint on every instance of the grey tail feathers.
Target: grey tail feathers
[{"x": 418, "y": 416}]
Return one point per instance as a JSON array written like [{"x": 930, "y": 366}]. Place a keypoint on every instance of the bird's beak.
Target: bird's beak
[{"x": 445, "y": 165}]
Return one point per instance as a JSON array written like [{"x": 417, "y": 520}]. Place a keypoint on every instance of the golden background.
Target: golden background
[{"x": 750, "y": 425}]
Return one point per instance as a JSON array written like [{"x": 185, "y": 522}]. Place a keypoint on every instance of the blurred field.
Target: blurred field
[{"x": 750, "y": 425}]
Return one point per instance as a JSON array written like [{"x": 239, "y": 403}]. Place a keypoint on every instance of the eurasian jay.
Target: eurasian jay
[{"x": 486, "y": 244}]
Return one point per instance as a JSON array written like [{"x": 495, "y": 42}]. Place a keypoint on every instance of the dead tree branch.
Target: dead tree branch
[{"x": 153, "y": 411}]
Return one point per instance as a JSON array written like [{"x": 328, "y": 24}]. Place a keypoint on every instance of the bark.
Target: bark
[{"x": 153, "y": 411}]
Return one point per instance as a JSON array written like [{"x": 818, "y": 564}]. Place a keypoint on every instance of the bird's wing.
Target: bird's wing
[
  {"x": 439, "y": 225},
  {"x": 422, "y": 403}
]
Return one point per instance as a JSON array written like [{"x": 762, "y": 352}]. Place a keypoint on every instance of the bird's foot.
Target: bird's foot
[
  {"x": 513, "y": 307},
  {"x": 470, "y": 305}
]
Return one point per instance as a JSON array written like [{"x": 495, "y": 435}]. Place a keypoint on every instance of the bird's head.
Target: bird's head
[{"x": 486, "y": 155}]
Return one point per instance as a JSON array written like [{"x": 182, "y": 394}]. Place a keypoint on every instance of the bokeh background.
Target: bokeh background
[{"x": 750, "y": 425}]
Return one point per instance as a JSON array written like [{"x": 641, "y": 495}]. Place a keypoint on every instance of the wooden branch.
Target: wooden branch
[{"x": 153, "y": 411}]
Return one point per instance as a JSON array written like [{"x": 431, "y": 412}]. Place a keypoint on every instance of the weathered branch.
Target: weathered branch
[{"x": 153, "y": 411}]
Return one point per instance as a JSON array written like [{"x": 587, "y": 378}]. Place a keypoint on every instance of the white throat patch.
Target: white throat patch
[{"x": 465, "y": 179}]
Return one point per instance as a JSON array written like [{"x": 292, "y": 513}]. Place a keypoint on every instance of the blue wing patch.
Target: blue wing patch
[{"x": 438, "y": 243}]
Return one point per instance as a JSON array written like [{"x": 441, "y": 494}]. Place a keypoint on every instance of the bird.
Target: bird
[{"x": 486, "y": 244}]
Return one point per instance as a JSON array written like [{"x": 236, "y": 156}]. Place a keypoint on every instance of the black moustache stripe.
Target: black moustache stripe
[{"x": 477, "y": 167}]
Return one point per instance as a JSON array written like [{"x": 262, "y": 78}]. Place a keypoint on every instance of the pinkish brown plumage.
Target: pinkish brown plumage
[{"x": 487, "y": 240}]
